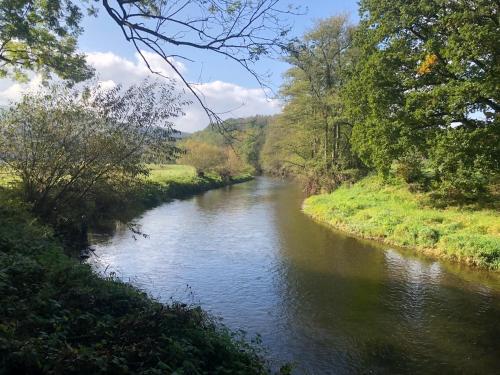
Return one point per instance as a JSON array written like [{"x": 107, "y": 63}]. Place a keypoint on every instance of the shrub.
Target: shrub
[
  {"x": 65, "y": 144},
  {"x": 465, "y": 163}
]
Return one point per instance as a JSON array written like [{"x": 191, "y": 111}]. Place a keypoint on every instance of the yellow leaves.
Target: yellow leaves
[{"x": 428, "y": 64}]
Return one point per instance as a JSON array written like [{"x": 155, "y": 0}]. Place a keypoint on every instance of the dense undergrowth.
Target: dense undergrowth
[
  {"x": 389, "y": 212},
  {"x": 58, "y": 316}
]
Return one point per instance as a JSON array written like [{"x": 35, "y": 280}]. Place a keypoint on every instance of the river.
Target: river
[{"x": 328, "y": 303}]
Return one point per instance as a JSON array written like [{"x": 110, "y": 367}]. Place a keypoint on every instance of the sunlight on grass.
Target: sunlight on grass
[
  {"x": 6, "y": 177},
  {"x": 392, "y": 214},
  {"x": 171, "y": 172}
]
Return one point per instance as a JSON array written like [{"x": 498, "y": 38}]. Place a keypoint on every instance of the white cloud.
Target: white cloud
[
  {"x": 230, "y": 99},
  {"x": 12, "y": 91}
]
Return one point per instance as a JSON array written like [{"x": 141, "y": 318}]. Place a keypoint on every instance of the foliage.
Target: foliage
[
  {"x": 69, "y": 146},
  {"x": 204, "y": 157},
  {"x": 311, "y": 137},
  {"x": 209, "y": 158},
  {"x": 374, "y": 209},
  {"x": 426, "y": 82},
  {"x": 242, "y": 32},
  {"x": 58, "y": 316},
  {"x": 245, "y": 136},
  {"x": 41, "y": 36},
  {"x": 464, "y": 162}
]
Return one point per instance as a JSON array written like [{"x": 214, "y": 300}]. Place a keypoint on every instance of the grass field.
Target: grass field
[
  {"x": 171, "y": 172},
  {"x": 6, "y": 178},
  {"x": 391, "y": 214}
]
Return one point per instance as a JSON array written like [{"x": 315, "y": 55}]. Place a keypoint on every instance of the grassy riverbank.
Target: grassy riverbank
[
  {"x": 57, "y": 316},
  {"x": 391, "y": 214},
  {"x": 175, "y": 181}
]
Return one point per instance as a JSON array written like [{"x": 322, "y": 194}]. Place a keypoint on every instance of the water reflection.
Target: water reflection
[{"x": 331, "y": 303}]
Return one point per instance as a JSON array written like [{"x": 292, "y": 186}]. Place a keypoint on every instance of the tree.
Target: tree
[
  {"x": 427, "y": 69},
  {"x": 41, "y": 36},
  {"x": 210, "y": 158},
  {"x": 204, "y": 157},
  {"x": 65, "y": 143},
  {"x": 317, "y": 130},
  {"x": 321, "y": 61},
  {"x": 240, "y": 31}
]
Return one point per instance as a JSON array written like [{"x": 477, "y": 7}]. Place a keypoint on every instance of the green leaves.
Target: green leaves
[
  {"x": 427, "y": 70},
  {"x": 41, "y": 36}
]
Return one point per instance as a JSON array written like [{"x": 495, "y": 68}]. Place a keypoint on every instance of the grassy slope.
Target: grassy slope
[
  {"x": 57, "y": 316},
  {"x": 175, "y": 181},
  {"x": 390, "y": 213}
]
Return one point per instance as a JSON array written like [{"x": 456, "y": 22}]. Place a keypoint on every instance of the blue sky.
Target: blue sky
[
  {"x": 226, "y": 87},
  {"x": 102, "y": 35}
]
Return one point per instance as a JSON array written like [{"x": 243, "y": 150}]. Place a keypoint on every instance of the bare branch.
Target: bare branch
[{"x": 240, "y": 31}]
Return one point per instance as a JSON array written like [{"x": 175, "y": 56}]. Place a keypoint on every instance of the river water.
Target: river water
[{"x": 328, "y": 303}]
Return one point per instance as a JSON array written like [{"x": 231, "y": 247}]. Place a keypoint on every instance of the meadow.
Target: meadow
[{"x": 390, "y": 213}]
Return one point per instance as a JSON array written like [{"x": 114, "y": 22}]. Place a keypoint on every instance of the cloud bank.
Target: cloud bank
[{"x": 223, "y": 97}]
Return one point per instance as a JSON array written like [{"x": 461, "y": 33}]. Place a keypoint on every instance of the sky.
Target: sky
[{"x": 226, "y": 87}]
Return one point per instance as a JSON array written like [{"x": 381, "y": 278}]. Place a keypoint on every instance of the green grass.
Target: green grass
[
  {"x": 176, "y": 181},
  {"x": 391, "y": 214},
  {"x": 171, "y": 172},
  {"x": 6, "y": 177}
]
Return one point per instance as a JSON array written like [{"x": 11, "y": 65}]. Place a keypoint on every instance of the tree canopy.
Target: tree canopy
[
  {"x": 64, "y": 143},
  {"x": 413, "y": 90},
  {"x": 41, "y": 36}
]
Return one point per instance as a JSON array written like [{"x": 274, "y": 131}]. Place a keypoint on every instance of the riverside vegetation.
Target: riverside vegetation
[
  {"x": 410, "y": 94},
  {"x": 74, "y": 159},
  {"x": 58, "y": 316},
  {"x": 387, "y": 211}
]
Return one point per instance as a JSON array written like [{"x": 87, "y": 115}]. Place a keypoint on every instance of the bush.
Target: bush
[
  {"x": 411, "y": 168},
  {"x": 68, "y": 145},
  {"x": 208, "y": 158}
]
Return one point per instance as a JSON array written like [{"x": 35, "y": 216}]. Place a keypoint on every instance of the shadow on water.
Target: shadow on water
[{"x": 330, "y": 303}]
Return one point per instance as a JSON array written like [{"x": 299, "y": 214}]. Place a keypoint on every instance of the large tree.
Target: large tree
[
  {"x": 426, "y": 66},
  {"x": 317, "y": 140},
  {"x": 428, "y": 78}
]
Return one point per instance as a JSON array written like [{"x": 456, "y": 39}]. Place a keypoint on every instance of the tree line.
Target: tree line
[{"x": 411, "y": 91}]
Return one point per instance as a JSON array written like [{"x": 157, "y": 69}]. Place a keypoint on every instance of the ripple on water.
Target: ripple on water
[{"x": 330, "y": 303}]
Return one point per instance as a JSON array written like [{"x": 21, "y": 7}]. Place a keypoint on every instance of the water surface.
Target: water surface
[{"x": 329, "y": 303}]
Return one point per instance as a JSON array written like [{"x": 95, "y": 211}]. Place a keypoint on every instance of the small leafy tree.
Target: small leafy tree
[
  {"x": 210, "y": 158},
  {"x": 65, "y": 144},
  {"x": 204, "y": 157},
  {"x": 233, "y": 164}
]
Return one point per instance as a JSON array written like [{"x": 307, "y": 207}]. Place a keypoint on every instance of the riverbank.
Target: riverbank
[
  {"x": 166, "y": 182},
  {"x": 391, "y": 214},
  {"x": 58, "y": 316}
]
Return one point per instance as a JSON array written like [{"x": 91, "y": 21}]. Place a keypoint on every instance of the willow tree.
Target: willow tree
[{"x": 66, "y": 145}]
